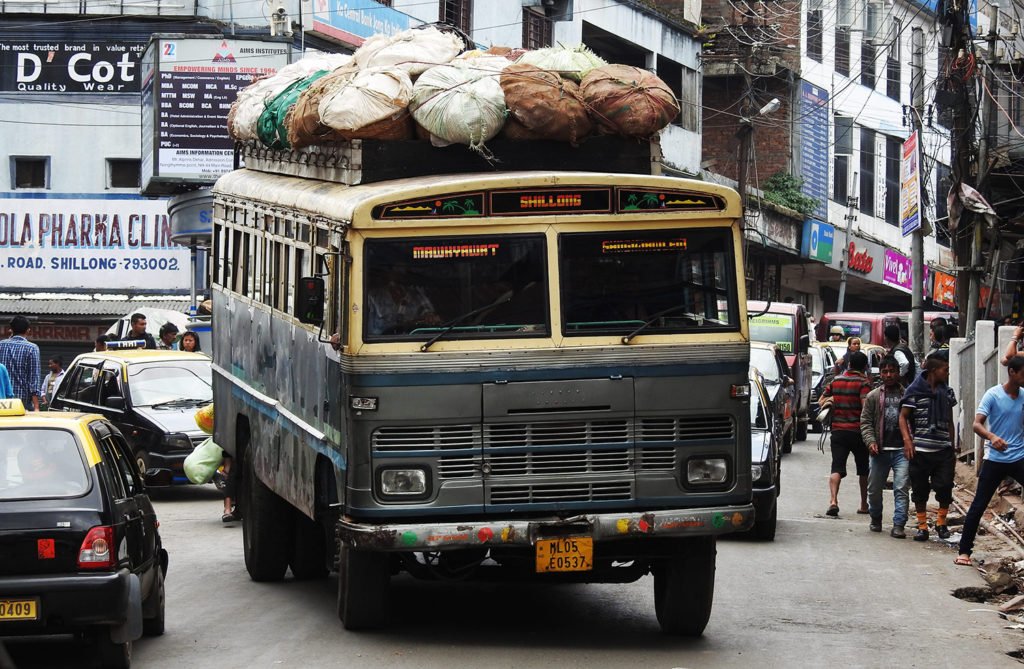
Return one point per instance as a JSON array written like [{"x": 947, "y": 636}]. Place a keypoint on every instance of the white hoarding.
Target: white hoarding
[{"x": 89, "y": 244}]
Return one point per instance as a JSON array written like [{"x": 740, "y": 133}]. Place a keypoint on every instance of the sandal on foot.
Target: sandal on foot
[
  {"x": 229, "y": 517},
  {"x": 832, "y": 511},
  {"x": 962, "y": 560}
]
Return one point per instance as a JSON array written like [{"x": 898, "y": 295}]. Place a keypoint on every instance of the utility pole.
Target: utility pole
[
  {"x": 916, "y": 325},
  {"x": 852, "y": 204}
]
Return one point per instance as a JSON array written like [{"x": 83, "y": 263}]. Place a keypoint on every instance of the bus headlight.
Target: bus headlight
[
  {"x": 403, "y": 482},
  {"x": 706, "y": 470}
]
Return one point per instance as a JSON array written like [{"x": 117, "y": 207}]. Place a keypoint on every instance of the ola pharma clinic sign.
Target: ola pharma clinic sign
[{"x": 55, "y": 66}]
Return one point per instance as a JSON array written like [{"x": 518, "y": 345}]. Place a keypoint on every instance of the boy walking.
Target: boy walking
[
  {"x": 880, "y": 429},
  {"x": 926, "y": 419},
  {"x": 1002, "y": 408},
  {"x": 848, "y": 391}
]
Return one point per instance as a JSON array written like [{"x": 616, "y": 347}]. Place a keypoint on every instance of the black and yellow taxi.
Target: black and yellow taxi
[{"x": 80, "y": 550}]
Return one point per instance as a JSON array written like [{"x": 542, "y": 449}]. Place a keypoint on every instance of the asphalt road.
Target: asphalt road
[{"x": 826, "y": 592}]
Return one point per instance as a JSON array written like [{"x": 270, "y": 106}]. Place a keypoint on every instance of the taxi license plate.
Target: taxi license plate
[
  {"x": 565, "y": 554},
  {"x": 19, "y": 609}
]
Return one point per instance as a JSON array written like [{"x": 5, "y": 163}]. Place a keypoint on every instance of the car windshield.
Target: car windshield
[
  {"x": 764, "y": 360},
  {"x": 773, "y": 329},
  {"x": 40, "y": 463},
  {"x": 464, "y": 287},
  {"x": 758, "y": 419},
  {"x": 657, "y": 281},
  {"x": 171, "y": 381}
]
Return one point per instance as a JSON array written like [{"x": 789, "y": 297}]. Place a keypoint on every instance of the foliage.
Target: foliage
[{"x": 784, "y": 189}]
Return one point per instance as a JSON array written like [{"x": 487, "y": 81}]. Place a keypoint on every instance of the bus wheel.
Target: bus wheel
[
  {"x": 309, "y": 549},
  {"x": 801, "y": 429},
  {"x": 265, "y": 530},
  {"x": 364, "y": 579},
  {"x": 684, "y": 587}
]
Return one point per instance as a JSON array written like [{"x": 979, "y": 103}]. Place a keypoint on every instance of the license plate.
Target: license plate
[
  {"x": 19, "y": 609},
  {"x": 565, "y": 554}
]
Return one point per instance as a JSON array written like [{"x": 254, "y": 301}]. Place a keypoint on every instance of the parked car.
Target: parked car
[
  {"x": 151, "y": 396},
  {"x": 778, "y": 383},
  {"x": 787, "y": 325},
  {"x": 80, "y": 552},
  {"x": 823, "y": 359},
  {"x": 765, "y": 460}
]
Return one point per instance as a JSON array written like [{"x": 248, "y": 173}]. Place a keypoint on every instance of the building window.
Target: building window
[
  {"x": 867, "y": 171},
  {"x": 893, "y": 64},
  {"x": 893, "y": 155},
  {"x": 458, "y": 13},
  {"x": 814, "y": 30},
  {"x": 30, "y": 171},
  {"x": 841, "y": 161},
  {"x": 536, "y": 29},
  {"x": 843, "y": 51},
  {"x": 123, "y": 173},
  {"x": 683, "y": 82},
  {"x": 867, "y": 64}
]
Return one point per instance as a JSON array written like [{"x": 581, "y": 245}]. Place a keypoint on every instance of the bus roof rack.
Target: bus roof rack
[{"x": 367, "y": 161}]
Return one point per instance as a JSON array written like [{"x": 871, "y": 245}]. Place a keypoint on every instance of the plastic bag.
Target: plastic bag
[
  {"x": 204, "y": 418},
  {"x": 202, "y": 463}
]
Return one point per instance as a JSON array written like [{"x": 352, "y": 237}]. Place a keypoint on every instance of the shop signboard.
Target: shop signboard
[
  {"x": 897, "y": 272},
  {"x": 108, "y": 245},
  {"x": 814, "y": 125},
  {"x": 56, "y": 65},
  {"x": 352, "y": 21},
  {"x": 864, "y": 258},
  {"x": 817, "y": 242},
  {"x": 910, "y": 187},
  {"x": 944, "y": 289}
]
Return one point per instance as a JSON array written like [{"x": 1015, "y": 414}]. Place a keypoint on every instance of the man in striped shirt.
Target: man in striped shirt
[
  {"x": 21, "y": 358},
  {"x": 848, "y": 391},
  {"x": 926, "y": 423}
]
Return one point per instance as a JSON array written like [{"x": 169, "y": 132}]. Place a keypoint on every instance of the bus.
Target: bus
[{"x": 537, "y": 372}]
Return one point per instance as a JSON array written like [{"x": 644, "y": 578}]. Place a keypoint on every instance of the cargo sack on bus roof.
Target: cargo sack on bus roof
[
  {"x": 461, "y": 103},
  {"x": 271, "y": 127},
  {"x": 252, "y": 100},
  {"x": 543, "y": 105},
  {"x": 569, "y": 62},
  {"x": 415, "y": 50},
  {"x": 371, "y": 105},
  {"x": 303, "y": 121},
  {"x": 628, "y": 101}
]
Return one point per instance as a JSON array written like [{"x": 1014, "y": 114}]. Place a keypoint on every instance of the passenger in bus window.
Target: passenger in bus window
[{"x": 396, "y": 304}]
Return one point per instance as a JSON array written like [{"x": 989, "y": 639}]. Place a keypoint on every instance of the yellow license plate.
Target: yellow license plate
[
  {"x": 565, "y": 554},
  {"x": 19, "y": 609}
]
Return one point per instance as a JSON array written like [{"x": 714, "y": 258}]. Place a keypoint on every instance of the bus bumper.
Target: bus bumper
[{"x": 525, "y": 532}]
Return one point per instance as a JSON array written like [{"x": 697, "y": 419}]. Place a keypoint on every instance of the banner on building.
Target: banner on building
[
  {"x": 61, "y": 66},
  {"x": 944, "y": 289},
  {"x": 90, "y": 244},
  {"x": 897, "y": 272},
  {"x": 818, "y": 239},
  {"x": 188, "y": 85},
  {"x": 910, "y": 186},
  {"x": 814, "y": 125},
  {"x": 352, "y": 21}
]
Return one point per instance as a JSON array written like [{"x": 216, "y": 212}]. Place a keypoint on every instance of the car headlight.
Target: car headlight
[
  {"x": 408, "y": 482},
  {"x": 178, "y": 441},
  {"x": 707, "y": 470},
  {"x": 756, "y": 471}
]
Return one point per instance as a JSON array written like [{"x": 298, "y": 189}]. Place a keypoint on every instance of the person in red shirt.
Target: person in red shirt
[{"x": 848, "y": 391}]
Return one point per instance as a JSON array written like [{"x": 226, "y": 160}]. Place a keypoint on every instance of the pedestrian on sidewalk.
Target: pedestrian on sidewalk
[
  {"x": 1013, "y": 348},
  {"x": 926, "y": 420},
  {"x": 880, "y": 429},
  {"x": 1002, "y": 408},
  {"x": 899, "y": 350},
  {"x": 21, "y": 358},
  {"x": 848, "y": 391}
]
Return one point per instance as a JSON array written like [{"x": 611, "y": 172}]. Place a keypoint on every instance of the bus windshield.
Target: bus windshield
[
  {"x": 465, "y": 287},
  {"x": 773, "y": 328},
  {"x": 664, "y": 281}
]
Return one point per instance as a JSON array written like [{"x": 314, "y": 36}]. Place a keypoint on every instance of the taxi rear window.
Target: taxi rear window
[{"x": 41, "y": 464}]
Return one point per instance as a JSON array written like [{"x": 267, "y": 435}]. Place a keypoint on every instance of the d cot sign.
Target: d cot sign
[
  {"x": 69, "y": 67},
  {"x": 102, "y": 245}
]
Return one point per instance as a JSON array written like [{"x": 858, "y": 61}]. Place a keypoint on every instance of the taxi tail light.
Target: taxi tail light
[{"x": 95, "y": 552}]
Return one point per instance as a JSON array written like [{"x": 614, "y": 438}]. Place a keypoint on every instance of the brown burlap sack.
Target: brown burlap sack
[
  {"x": 303, "y": 120},
  {"x": 516, "y": 131},
  {"x": 628, "y": 101},
  {"x": 231, "y": 119},
  {"x": 398, "y": 126},
  {"x": 545, "y": 104}
]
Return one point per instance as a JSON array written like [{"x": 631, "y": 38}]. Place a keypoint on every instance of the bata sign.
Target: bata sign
[
  {"x": 860, "y": 260},
  {"x": 102, "y": 245}
]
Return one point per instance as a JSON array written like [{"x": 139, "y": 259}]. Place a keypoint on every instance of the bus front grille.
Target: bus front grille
[
  {"x": 564, "y": 463},
  {"x": 686, "y": 428},
  {"x": 425, "y": 438},
  {"x": 561, "y": 433},
  {"x": 561, "y": 493}
]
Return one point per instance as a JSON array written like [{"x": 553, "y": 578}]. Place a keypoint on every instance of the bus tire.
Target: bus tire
[
  {"x": 364, "y": 579},
  {"x": 309, "y": 550},
  {"x": 684, "y": 588},
  {"x": 265, "y": 530},
  {"x": 801, "y": 429}
]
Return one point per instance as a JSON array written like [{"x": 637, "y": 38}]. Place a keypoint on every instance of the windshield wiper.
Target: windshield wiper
[
  {"x": 696, "y": 318},
  {"x": 181, "y": 401},
  {"x": 452, "y": 324}
]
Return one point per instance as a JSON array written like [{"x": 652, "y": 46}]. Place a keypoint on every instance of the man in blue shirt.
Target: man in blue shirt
[
  {"x": 1002, "y": 408},
  {"x": 21, "y": 358}
]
